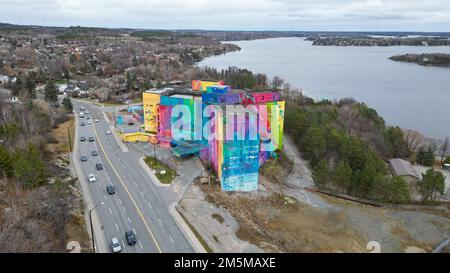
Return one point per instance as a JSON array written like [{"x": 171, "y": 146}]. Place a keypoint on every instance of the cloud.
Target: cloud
[{"x": 422, "y": 15}]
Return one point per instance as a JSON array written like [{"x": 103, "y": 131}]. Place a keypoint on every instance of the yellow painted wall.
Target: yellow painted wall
[
  {"x": 198, "y": 85},
  {"x": 150, "y": 103},
  {"x": 136, "y": 137}
]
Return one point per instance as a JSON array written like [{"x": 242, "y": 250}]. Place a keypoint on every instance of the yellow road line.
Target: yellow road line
[{"x": 126, "y": 189}]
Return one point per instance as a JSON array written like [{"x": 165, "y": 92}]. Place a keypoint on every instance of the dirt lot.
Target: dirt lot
[{"x": 277, "y": 223}]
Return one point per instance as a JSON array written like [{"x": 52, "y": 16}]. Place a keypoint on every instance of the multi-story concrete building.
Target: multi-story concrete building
[{"x": 235, "y": 131}]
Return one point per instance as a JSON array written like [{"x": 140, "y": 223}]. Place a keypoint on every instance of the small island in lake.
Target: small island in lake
[
  {"x": 380, "y": 41},
  {"x": 436, "y": 59}
]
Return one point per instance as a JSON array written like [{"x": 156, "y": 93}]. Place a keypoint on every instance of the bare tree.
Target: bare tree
[
  {"x": 414, "y": 139},
  {"x": 277, "y": 82},
  {"x": 444, "y": 150}
]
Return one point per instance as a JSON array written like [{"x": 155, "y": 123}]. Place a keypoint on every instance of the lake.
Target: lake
[{"x": 404, "y": 94}]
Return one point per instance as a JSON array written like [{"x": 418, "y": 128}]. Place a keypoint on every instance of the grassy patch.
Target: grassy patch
[
  {"x": 218, "y": 217},
  {"x": 61, "y": 134},
  {"x": 163, "y": 172},
  {"x": 112, "y": 103},
  {"x": 199, "y": 238}
]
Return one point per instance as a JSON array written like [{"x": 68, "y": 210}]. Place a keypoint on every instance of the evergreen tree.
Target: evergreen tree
[
  {"x": 433, "y": 182},
  {"x": 342, "y": 176},
  {"x": 6, "y": 162},
  {"x": 30, "y": 85},
  {"x": 398, "y": 190},
  {"x": 67, "y": 104},
  {"x": 315, "y": 144},
  {"x": 425, "y": 156},
  {"x": 50, "y": 92},
  {"x": 321, "y": 174}
]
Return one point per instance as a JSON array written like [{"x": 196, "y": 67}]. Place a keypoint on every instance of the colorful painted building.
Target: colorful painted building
[{"x": 244, "y": 138}]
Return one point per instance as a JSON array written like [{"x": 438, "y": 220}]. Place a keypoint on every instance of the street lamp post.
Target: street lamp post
[
  {"x": 154, "y": 155},
  {"x": 90, "y": 220}
]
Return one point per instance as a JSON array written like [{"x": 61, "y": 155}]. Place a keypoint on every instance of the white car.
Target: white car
[
  {"x": 86, "y": 112},
  {"x": 89, "y": 122},
  {"x": 96, "y": 120},
  {"x": 108, "y": 132},
  {"x": 91, "y": 178},
  {"x": 115, "y": 245}
]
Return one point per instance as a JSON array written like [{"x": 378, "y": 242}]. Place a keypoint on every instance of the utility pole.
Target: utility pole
[
  {"x": 154, "y": 155},
  {"x": 92, "y": 229},
  {"x": 114, "y": 116}
]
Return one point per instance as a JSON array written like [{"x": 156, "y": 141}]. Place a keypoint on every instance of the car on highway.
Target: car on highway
[
  {"x": 82, "y": 138},
  {"x": 82, "y": 108},
  {"x": 99, "y": 166},
  {"x": 86, "y": 112},
  {"x": 91, "y": 139},
  {"x": 89, "y": 122},
  {"x": 91, "y": 178},
  {"x": 82, "y": 123},
  {"x": 110, "y": 189},
  {"x": 115, "y": 245},
  {"x": 88, "y": 117},
  {"x": 94, "y": 153},
  {"x": 81, "y": 115},
  {"x": 108, "y": 132},
  {"x": 96, "y": 120},
  {"x": 131, "y": 237},
  {"x": 84, "y": 158}
]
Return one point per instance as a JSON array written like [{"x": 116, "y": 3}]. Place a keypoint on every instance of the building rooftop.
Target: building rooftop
[{"x": 402, "y": 167}]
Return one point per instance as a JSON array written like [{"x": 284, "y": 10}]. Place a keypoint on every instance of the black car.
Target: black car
[
  {"x": 91, "y": 139},
  {"x": 110, "y": 189},
  {"x": 99, "y": 166},
  {"x": 82, "y": 138},
  {"x": 94, "y": 153},
  {"x": 84, "y": 158},
  {"x": 131, "y": 237},
  {"x": 82, "y": 123}
]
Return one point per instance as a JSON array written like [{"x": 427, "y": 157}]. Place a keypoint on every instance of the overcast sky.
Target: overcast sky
[{"x": 359, "y": 15}]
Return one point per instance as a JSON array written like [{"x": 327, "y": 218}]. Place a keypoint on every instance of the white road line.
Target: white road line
[
  {"x": 123, "y": 244},
  {"x": 117, "y": 227},
  {"x": 110, "y": 210},
  {"x": 160, "y": 221},
  {"x": 124, "y": 209},
  {"x": 134, "y": 231},
  {"x": 140, "y": 244},
  {"x": 129, "y": 220},
  {"x": 149, "y": 205},
  {"x": 120, "y": 201},
  {"x": 105, "y": 197},
  {"x": 171, "y": 239}
]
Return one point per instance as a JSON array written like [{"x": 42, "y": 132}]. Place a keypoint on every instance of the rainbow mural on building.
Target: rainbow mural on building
[{"x": 234, "y": 142}]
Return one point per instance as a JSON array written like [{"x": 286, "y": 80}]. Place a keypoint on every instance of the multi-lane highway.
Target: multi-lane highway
[{"x": 138, "y": 204}]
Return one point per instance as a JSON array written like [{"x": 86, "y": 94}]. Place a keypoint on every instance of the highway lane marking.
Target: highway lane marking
[
  {"x": 129, "y": 220},
  {"x": 149, "y": 204},
  {"x": 171, "y": 239},
  {"x": 120, "y": 201},
  {"x": 117, "y": 227},
  {"x": 160, "y": 222},
  {"x": 128, "y": 192},
  {"x": 110, "y": 210},
  {"x": 124, "y": 210},
  {"x": 140, "y": 244},
  {"x": 105, "y": 197},
  {"x": 134, "y": 231},
  {"x": 123, "y": 244}
]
